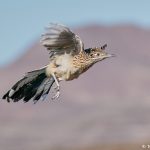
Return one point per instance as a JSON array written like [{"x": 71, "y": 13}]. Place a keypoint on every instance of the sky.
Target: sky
[{"x": 22, "y": 22}]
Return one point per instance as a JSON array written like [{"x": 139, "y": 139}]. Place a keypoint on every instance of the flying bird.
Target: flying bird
[{"x": 68, "y": 59}]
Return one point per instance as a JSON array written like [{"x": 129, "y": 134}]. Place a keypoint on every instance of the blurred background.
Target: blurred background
[{"x": 108, "y": 107}]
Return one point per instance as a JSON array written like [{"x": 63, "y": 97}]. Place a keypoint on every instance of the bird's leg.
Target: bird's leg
[{"x": 57, "y": 87}]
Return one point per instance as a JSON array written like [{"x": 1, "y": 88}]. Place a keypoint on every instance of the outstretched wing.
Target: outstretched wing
[{"x": 59, "y": 39}]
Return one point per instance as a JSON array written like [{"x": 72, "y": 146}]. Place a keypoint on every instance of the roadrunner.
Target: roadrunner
[{"x": 68, "y": 59}]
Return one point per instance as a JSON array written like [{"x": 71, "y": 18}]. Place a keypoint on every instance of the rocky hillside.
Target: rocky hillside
[{"x": 108, "y": 104}]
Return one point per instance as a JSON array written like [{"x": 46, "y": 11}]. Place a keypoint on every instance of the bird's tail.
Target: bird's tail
[{"x": 34, "y": 85}]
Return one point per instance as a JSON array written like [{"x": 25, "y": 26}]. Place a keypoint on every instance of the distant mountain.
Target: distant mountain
[{"x": 109, "y": 103}]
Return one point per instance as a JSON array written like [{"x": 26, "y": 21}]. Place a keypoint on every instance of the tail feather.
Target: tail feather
[
  {"x": 34, "y": 85},
  {"x": 43, "y": 89}
]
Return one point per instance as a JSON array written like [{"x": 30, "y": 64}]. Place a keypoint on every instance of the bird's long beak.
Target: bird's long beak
[{"x": 111, "y": 55}]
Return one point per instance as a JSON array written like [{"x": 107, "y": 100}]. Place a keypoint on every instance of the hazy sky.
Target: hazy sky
[{"x": 21, "y": 22}]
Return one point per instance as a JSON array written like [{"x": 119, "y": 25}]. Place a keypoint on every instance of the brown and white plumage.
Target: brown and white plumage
[{"x": 68, "y": 59}]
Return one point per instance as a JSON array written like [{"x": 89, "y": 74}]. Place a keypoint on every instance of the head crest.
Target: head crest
[{"x": 103, "y": 47}]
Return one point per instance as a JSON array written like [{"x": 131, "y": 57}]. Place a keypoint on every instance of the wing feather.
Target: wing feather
[{"x": 59, "y": 39}]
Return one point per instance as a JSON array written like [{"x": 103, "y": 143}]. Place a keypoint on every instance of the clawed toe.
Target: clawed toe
[{"x": 57, "y": 93}]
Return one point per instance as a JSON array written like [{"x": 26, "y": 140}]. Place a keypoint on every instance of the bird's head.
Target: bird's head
[{"x": 98, "y": 53}]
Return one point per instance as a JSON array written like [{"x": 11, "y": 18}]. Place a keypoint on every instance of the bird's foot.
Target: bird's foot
[{"x": 57, "y": 93}]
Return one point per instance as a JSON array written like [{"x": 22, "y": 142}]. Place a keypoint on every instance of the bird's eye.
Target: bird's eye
[
  {"x": 98, "y": 54},
  {"x": 91, "y": 55}
]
